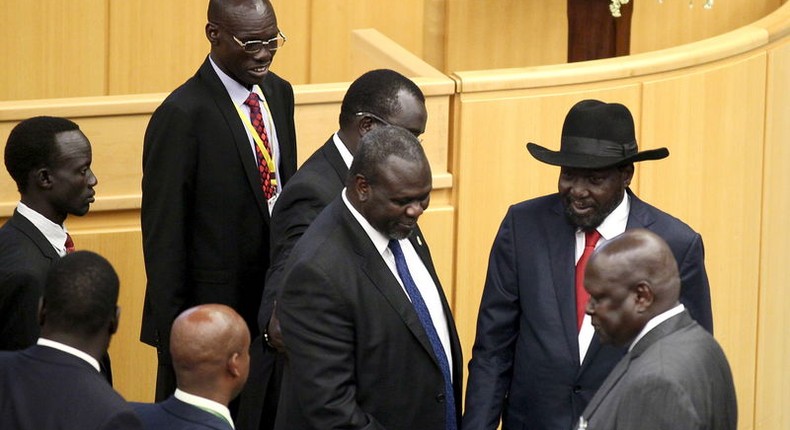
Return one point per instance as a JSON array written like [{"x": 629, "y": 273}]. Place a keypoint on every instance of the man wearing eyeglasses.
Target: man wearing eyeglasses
[
  {"x": 215, "y": 157},
  {"x": 378, "y": 97}
]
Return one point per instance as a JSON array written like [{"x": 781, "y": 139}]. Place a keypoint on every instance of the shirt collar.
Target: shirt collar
[
  {"x": 54, "y": 233},
  {"x": 238, "y": 93},
  {"x": 205, "y": 404},
  {"x": 655, "y": 321},
  {"x": 380, "y": 241},
  {"x": 345, "y": 154},
  {"x": 70, "y": 350},
  {"x": 617, "y": 221}
]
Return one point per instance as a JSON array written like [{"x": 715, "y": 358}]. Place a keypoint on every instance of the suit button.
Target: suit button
[
  {"x": 577, "y": 389},
  {"x": 440, "y": 398}
]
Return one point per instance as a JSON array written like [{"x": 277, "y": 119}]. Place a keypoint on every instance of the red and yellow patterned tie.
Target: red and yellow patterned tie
[
  {"x": 590, "y": 239},
  {"x": 267, "y": 177}
]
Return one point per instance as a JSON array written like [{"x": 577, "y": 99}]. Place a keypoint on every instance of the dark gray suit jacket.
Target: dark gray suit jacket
[
  {"x": 173, "y": 414},
  {"x": 675, "y": 378},
  {"x": 42, "y": 388},
  {"x": 25, "y": 258},
  {"x": 358, "y": 357},
  {"x": 525, "y": 361}
]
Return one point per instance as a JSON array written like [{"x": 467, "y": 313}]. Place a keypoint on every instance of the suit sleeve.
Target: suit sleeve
[
  {"x": 293, "y": 213},
  {"x": 656, "y": 403},
  {"x": 19, "y": 296},
  {"x": 169, "y": 160},
  {"x": 318, "y": 331},
  {"x": 695, "y": 290},
  {"x": 491, "y": 367}
]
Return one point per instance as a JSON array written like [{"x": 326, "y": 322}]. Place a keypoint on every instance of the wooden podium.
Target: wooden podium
[{"x": 594, "y": 33}]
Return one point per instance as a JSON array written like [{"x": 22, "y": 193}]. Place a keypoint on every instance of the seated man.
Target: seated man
[
  {"x": 56, "y": 384},
  {"x": 210, "y": 349},
  {"x": 675, "y": 375}
]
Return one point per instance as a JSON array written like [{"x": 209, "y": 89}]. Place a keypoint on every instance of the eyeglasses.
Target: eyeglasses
[
  {"x": 381, "y": 120},
  {"x": 253, "y": 46},
  {"x": 374, "y": 116}
]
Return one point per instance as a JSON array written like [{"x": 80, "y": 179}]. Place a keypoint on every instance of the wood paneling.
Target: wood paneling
[
  {"x": 773, "y": 349},
  {"x": 52, "y": 48},
  {"x": 659, "y": 25},
  {"x": 712, "y": 181}
]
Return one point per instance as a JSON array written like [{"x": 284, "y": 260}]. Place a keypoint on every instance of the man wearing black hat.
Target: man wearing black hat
[{"x": 537, "y": 360}]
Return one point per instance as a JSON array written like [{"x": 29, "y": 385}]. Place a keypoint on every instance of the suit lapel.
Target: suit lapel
[
  {"x": 382, "y": 278},
  {"x": 335, "y": 160},
  {"x": 281, "y": 125},
  {"x": 611, "y": 380},
  {"x": 562, "y": 250},
  {"x": 34, "y": 234},
  {"x": 240, "y": 139}
]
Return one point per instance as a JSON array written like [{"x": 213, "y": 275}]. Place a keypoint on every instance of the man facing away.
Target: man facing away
[
  {"x": 49, "y": 159},
  {"x": 369, "y": 336},
  {"x": 536, "y": 361},
  {"x": 56, "y": 384},
  {"x": 216, "y": 155},
  {"x": 376, "y": 98},
  {"x": 210, "y": 349},
  {"x": 675, "y": 375}
]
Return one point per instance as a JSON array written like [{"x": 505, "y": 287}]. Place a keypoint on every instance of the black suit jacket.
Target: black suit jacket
[
  {"x": 205, "y": 221},
  {"x": 42, "y": 388},
  {"x": 173, "y": 414},
  {"x": 317, "y": 182},
  {"x": 25, "y": 258},
  {"x": 676, "y": 377},
  {"x": 358, "y": 357},
  {"x": 525, "y": 360}
]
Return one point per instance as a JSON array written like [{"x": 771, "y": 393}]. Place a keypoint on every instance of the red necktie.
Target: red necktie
[
  {"x": 256, "y": 118},
  {"x": 69, "y": 244},
  {"x": 590, "y": 239}
]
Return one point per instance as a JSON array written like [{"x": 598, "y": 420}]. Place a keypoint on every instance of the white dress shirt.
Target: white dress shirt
[
  {"x": 205, "y": 404},
  {"x": 55, "y": 233},
  {"x": 70, "y": 350}
]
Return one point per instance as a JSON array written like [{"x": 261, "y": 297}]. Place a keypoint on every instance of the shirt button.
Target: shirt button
[{"x": 440, "y": 398}]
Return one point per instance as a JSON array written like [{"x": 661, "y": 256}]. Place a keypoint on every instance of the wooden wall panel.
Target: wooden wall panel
[
  {"x": 333, "y": 20},
  {"x": 657, "y": 25},
  {"x": 504, "y": 33},
  {"x": 506, "y": 173},
  {"x": 712, "y": 181},
  {"x": 52, "y": 48},
  {"x": 154, "y": 46},
  {"x": 773, "y": 351}
]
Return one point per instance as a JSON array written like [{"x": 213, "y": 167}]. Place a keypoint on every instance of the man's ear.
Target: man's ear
[
  {"x": 362, "y": 187},
  {"x": 628, "y": 174},
  {"x": 234, "y": 364},
  {"x": 42, "y": 178},
  {"x": 114, "y": 320},
  {"x": 364, "y": 125},
  {"x": 644, "y": 297},
  {"x": 212, "y": 33}
]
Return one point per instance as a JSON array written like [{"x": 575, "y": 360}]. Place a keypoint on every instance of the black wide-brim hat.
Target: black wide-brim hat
[{"x": 596, "y": 135}]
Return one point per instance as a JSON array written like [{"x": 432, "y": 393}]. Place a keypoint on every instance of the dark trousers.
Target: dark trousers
[{"x": 258, "y": 401}]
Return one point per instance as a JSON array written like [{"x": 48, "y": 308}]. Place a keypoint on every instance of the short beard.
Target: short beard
[{"x": 591, "y": 221}]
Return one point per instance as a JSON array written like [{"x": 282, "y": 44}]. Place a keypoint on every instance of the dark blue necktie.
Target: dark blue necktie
[{"x": 425, "y": 318}]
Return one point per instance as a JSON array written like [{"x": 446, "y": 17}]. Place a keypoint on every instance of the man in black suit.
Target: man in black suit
[
  {"x": 216, "y": 155},
  {"x": 56, "y": 384},
  {"x": 675, "y": 375},
  {"x": 210, "y": 349},
  {"x": 376, "y": 98},
  {"x": 50, "y": 160},
  {"x": 369, "y": 336},
  {"x": 536, "y": 361}
]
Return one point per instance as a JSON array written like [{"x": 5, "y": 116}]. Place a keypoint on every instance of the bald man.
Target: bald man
[
  {"x": 210, "y": 349},
  {"x": 675, "y": 375}
]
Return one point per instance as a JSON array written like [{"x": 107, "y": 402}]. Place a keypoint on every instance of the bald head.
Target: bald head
[
  {"x": 209, "y": 345},
  {"x": 631, "y": 279}
]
